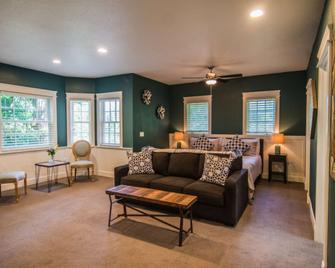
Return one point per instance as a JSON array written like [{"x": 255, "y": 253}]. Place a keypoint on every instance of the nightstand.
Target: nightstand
[{"x": 278, "y": 158}]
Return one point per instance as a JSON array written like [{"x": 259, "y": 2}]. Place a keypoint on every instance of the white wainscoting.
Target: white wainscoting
[
  {"x": 294, "y": 147},
  {"x": 105, "y": 159}
]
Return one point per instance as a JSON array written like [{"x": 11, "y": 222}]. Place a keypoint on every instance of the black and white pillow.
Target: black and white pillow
[
  {"x": 203, "y": 143},
  {"x": 216, "y": 169},
  {"x": 140, "y": 163},
  {"x": 235, "y": 144}
]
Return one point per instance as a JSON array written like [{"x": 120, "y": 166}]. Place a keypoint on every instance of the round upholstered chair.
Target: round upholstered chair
[
  {"x": 14, "y": 177},
  {"x": 82, "y": 150}
]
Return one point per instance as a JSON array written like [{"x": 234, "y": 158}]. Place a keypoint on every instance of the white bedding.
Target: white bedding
[{"x": 254, "y": 166}]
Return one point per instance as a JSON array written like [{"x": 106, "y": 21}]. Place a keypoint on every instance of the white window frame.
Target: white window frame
[
  {"x": 84, "y": 97},
  {"x": 53, "y": 112},
  {"x": 106, "y": 96},
  {"x": 197, "y": 99},
  {"x": 260, "y": 95}
]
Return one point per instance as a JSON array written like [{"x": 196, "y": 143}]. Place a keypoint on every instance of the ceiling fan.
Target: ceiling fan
[{"x": 211, "y": 78}]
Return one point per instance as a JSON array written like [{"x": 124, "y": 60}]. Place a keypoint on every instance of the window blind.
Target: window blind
[
  {"x": 197, "y": 117},
  {"x": 80, "y": 120},
  {"x": 26, "y": 121},
  {"x": 261, "y": 116},
  {"x": 110, "y": 119}
]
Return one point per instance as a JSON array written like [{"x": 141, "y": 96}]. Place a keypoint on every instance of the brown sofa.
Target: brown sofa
[{"x": 180, "y": 172}]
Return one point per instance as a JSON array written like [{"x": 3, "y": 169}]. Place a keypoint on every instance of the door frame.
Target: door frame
[{"x": 324, "y": 57}]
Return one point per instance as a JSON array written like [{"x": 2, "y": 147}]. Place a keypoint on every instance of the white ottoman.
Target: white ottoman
[{"x": 14, "y": 177}]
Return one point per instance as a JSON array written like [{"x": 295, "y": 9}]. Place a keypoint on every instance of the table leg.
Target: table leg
[
  {"x": 56, "y": 174},
  {"x": 181, "y": 227},
  {"x": 191, "y": 220},
  {"x": 124, "y": 210},
  {"x": 67, "y": 175},
  {"x": 110, "y": 210},
  {"x": 37, "y": 175},
  {"x": 49, "y": 174}
]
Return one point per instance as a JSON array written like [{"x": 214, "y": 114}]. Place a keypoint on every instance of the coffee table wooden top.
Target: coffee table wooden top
[{"x": 166, "y": 198}]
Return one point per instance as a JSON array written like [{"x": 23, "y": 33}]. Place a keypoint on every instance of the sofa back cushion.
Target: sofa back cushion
[
  {"x": 184, "y": 165},
  {"x": 160, "y": 162}
]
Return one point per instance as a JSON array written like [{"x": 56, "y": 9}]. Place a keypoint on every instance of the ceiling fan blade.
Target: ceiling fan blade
[
  {"x": 189, "y": 77},
  {"x": 230, "y": 76}
]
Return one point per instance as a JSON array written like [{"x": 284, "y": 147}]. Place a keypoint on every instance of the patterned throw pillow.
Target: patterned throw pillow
[
  {"x": 235, "y": 144},
  {"x": 203, "y": 143},
  {"x": 216, "y": 169},
  {"x": 140, "y": 163}
]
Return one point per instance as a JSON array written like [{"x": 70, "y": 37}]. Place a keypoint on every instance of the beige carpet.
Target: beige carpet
[{"x": 68, "y": 228}]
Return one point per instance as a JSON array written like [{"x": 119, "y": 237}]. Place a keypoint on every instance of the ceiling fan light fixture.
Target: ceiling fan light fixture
[{"x": 211, "y": 82}]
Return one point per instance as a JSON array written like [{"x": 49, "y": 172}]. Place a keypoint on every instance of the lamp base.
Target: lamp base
[
  {"x": 277, "y": 149},
  {"x": 178, "y": 145}
]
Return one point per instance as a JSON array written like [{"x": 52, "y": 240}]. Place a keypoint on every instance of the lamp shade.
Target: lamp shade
[
  {"x": 278, "y": 138},
  {"x": 178, "y": 136}
]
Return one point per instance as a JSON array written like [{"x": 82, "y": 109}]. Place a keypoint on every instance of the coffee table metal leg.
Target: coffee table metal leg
[
  {"x": 181, "y": 227},
  {"x": 37, "y": 175},
  {"x": 110, "y": 210},
  {"x": 191, "y": 220},
  {"x": 49, "y": 174},
  {"x": 124, "y": 210}
]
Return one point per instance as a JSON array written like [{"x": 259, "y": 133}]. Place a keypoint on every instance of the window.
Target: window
[
  {"x": 261, "y": 112},
  {"x": 80, "y": 117},
  {"x": 197, "y": 114},
  {"x": 28, "y": 120},
  {"x": 110, "y": 119}
]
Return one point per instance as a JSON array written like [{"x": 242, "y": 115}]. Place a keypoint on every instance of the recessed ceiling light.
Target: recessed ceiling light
[
  {"x": 56, "y": 61},
  {"x": 256, "y": 13},
  {"x": 102, "y": 50}
]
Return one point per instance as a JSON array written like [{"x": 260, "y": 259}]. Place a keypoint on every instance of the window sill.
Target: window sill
[
  {"x": 113, "y": 147},
  {"x": 23, "y": 150}
]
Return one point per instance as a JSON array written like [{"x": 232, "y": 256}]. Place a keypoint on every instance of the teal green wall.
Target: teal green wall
[
  {"x": 79, "y": 85},
  {"x": 122, "y": 83},
  {"x": 227, "y": 101},
  {"x": 25, "y": 77},
  {"x": 156, "y": 131},
  {"x": 312, "y": 73}
]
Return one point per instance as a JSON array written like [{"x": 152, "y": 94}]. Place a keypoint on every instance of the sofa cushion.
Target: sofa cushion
[
  {"x": 141, "y": 180},
  {"x": 236, "y": 163},
  {"x": 160, "y": 162},
  {"x": 216, "y": 169},
  {"x": 184, "y": 165},
  {"x": 170, "y": 183},
  {"x": 207, "y": 193},
  {"x": 140, "y": 163}
]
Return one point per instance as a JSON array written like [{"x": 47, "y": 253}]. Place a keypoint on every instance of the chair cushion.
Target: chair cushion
[
  {"x": 141, "y": 180},
  {"x": 160, "y": 162},
  {"x": 208, "y": 193},
  {"x": 184, "y": 165},
  {"x": 12, "y": 176},
  {"x": 82, "y": 163},
  {"x": 171, "y": 183}
]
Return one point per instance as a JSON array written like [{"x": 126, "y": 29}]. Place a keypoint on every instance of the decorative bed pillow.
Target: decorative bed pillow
[
  {"x": 235, "y": 144},
  {"x": 213, "y": 140},
  {"x": 203, "y": 143},
  {"x": 216, "y": 169},
  {"x": 253, "y": 147},
  {"x": 140, "y": 163}
]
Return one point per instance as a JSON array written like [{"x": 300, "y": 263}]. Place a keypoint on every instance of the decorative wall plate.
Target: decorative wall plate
[
  {"x": 160, "y": 112},
  {"x": 146, "y": 96}
]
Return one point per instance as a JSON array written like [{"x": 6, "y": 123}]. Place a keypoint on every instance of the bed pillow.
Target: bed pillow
[
  {"x": 254, "y": 147},
  {"x": 216, "y": 169},
  {"x": 236, "y": 144},
  {"x": 215, "y": 141},
  {"x": 203, "y": 143},
  {"x": 140, "y": 163}
]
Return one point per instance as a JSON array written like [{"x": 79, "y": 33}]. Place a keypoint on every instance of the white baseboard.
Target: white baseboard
[
  {"x": 61, "y": 175},
  {"x": 311, "y": 213},
  {"x": 290, "y": 177}
]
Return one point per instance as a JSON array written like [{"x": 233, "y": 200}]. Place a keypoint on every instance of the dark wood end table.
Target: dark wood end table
[
  {"x": 278, "y": 158},
  {"x": 183, "y": 202},
  {"x": 52, "y": 171}
]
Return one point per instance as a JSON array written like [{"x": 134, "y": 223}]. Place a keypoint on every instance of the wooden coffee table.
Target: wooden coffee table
[{"x": 182, "y": 202}]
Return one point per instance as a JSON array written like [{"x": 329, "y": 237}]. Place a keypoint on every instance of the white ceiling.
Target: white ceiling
[{"x": 159, "y": 39}]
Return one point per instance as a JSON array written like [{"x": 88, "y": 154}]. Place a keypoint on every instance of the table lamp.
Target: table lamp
[
  {"x": 178, "y": 136},
  {"x": 277, "y": 139}
]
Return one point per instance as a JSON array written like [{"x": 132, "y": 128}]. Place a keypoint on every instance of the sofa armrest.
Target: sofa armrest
[
  {"x": 236, "y": 195},
  {"x": 120, "y": 172}
]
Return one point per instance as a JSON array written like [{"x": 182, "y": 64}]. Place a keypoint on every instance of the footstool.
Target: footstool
[{"x": 14, "y": 177}]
